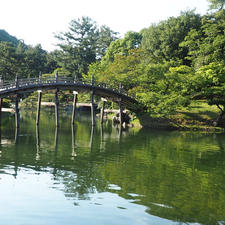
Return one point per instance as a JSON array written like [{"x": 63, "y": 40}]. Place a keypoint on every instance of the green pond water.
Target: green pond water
[{"x": 108, "y": 176}]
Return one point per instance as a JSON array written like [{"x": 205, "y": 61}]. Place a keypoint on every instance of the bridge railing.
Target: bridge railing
[
  {"x": 10, "y": 84},
  {"x": 39, "y": 81}
]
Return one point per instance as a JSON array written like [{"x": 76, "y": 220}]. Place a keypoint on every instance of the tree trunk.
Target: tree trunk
[{"x": 220, "y": 118}]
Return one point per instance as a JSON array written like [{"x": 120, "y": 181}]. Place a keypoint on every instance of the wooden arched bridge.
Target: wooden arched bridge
[{"x": 18, "y": 87}]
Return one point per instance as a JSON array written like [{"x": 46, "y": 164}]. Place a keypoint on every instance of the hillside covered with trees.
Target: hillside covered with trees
[
  {"x": 5, "y": 36},
  {"x": 167, "y": 66}
]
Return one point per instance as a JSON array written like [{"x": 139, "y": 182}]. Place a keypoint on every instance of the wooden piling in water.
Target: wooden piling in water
[
  {"x": 74, "y": 106},
  {"x": 1, "y": 99},
  {"x": 38, "y": 107},
  {"x": 73, "y": 142},
  {"x": 56, "y": 139},
  {"x": 56, "y": 108},
  {"x": 17, "y": 81},
  {"x": 17, "y": 115},
  {"x": 1, "y": 102},
  {"x": 37, "y": 143},
  {"x": 92, "y": 109},
  {"x": 91, "y": 138},
  {"x": 37, "y": 138},
  {"x": 121, "y": 113},
  {"x": 16, "y": 135},
  {"x": 103, "y": 109},
  {"x": 121, "y": 108},
  {"x": 92, "y": 102}
]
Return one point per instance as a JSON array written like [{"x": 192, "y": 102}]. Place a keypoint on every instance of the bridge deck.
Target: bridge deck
[{"x": 20, "y": 86}]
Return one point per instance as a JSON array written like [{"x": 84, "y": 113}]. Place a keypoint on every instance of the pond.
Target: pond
[{"x": 108, "y": 176}]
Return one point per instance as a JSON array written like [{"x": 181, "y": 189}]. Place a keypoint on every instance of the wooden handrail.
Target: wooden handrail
[{"x": 20, "y": 85}]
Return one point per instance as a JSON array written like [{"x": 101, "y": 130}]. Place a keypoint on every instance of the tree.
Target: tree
[
  {"x": 10, "y": 61},
  {"x": 132, "y": 40},
  {"x": 167, "y": 64},
  {"x": 52, "y": 63},
  {"x": 82, "y": 45},
  {"x": 106, "y": 36},
  {"x": 23, "y": 61},
  {"x": 35, "y": 59},
  {"x": 164, "y": 87},
  {"x": 206, "y": 45},
  {"x": 216, "y": 4},
  {"x": 210, "y": 85},
  {"x": 6, "y": 37},
  {"x": 162, "y": 40}
]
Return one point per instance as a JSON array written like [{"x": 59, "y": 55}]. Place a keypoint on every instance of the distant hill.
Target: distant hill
[{"x": 4, "y": 36}]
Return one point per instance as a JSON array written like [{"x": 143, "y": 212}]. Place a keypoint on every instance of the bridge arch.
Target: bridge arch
[{"x": 21, "y": 86}]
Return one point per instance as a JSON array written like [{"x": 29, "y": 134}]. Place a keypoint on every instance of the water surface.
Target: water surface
[{"x": 80, "y": 175}]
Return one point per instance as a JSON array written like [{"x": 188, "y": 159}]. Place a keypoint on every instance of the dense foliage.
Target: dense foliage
[
  {"x": 24, "y": 61},
  {"x": 5, "y": 36},
  {"x": 170, "y": 63},
  {"x": 83, "y": 44}
]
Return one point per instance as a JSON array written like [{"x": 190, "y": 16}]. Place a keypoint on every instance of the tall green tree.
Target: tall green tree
[
  {"x": 10, "y": 61},
  {"x": 24, "y": 61},
  {"x": 216, "y": 4},
  {"x": 83, "y": 44},
  {"x": 105, "y": 37},
  {"x": 52, "y": 62},
  {"x": 132, "y": 40},
  {"x": 6, "y": 37},
  {"x": 35, "y": 59},
  {"x": 207, "y": 44},
  {"x": 162, "y": 87},
  {"x": 162, "y": 40},
  {"x": 210, "y": 85},
  {"x": 125, "y": 70}
]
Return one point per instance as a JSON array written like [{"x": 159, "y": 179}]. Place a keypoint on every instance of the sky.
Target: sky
[{"x": 36, "y": 21}]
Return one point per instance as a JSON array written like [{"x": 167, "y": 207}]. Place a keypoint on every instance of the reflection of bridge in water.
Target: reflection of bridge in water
[
  {"x": 73, "y": 134},
  {"x": 15, "y": 141},
  {"x": 18, "y": 87}
]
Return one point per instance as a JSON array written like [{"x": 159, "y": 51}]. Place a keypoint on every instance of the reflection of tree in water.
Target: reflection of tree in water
[
  {"x": 178, "y": 176},
  {"x": 81, "y": 183}
]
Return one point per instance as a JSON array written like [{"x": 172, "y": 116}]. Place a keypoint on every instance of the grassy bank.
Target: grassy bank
[{"x": 198, "y": 116}]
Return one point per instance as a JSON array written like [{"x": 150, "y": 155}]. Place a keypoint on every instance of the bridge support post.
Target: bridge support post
[
  {"x": 56, "y": 77},
  {"x": 40, "y": 77},
  {"x": 38, "y": 107},
  {"x": 91, "y": 138},
  {"x": 74, "y": 106},
  {"x": 73, "y": 143},
  {"x": 56, "y": 108},
  {"x": 17, "y": 115},
  {"x": 1, "y": 102},
  {"x": 16, "y": 135},
  {"x": 37, "y": 143},
  {"x": 121, "y": 114},
  {"x": 103, "y": 109},
  {"x": 17, "y": 81},
  {"x": 121, "y": 108},
  {"x": 56, "y": 139},
  {"x": 92, "y": 109}
]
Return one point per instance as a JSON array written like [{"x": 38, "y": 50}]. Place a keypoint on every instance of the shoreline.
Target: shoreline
[
  {"x": 174, "y": 125},
  {"x": 145, "y": 121}
]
